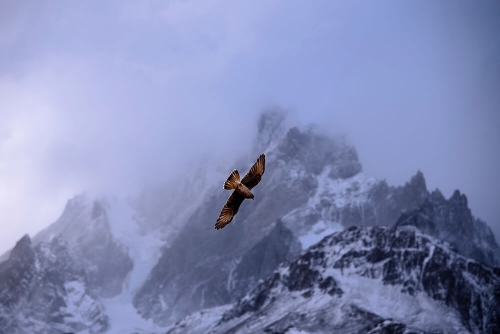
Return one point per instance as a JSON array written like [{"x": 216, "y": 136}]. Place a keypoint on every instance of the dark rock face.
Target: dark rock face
[
  {"x": 270, "y": 127},
  {"x": 107, "y": 264},
  {"x": 230, "y": 281},
  {"x": 387, "y": 203},
  {"x": 108, "y": 272},
  {"x": 263, "y": 258},
  {"x": 15, "y": 275},
  {"x": 43, "y": 290},
  {"x": 451, "y": 220},
  {"x": 314, "y": 152},
  {"x": 312, "y": 292},
  {"x": 393, "y": 327}
]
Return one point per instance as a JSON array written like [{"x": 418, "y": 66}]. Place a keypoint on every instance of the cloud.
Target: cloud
[
  {"x": 90, "y": 109},
  {"x": 27, "y": 192},
  {"x": 110, "y": 96}
]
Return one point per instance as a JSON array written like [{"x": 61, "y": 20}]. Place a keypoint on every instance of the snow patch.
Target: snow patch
[
  {"x": 318, "y": 232},
  {"x": 200, "y": 321},
  {"x": 294, "y": 330},
  {"x": 123, "y": 318},
  {"x": 144, "y": 249},
  {"x": 231, "y": 282},
  {"x": 388, "y": 301},
  {"x": 353, "y": 190}
]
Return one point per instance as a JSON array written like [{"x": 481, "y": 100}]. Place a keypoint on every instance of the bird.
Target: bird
[{"x": 241, "y": 190}]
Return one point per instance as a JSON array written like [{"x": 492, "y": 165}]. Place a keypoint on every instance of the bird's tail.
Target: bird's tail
[{"x": 232, "y": 181}]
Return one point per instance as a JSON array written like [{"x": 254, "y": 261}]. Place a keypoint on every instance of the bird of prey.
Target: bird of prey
[{"x": 241, "y": 190}]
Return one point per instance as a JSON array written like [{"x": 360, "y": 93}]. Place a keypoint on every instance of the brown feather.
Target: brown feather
[
  {"x": 232, "y": 181},
  {"x": 254, "y": 175},
  {"x": 229, "y": 210}
]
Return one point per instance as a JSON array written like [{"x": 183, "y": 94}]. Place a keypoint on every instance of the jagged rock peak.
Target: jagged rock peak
[
  {"x": 315, "y": 150},
  {"x": 86, "y": 227},
  {"x": 22, "y": 249},
  {"x": 452, "y": 220},
  {"x": 85, "y": 199},
  {"x": 437, "y": 196},
  {"x": 79, "y": 199},
  {"x": 270, "y": 126},
  {"x": 458, "y": 199},
  {"x": 44, "y": 289},
  {"x": 418, "y": 181},
  {"x": 23, "y": 242},
  {"x": 84, "y": 205},
  {"x": 311, "y": 146},
  {"x": 81, "y": 215},
  {"x": 97, "y": 210}
]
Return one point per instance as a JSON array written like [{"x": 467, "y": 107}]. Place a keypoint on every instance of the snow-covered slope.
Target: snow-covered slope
[
  {"x": 43, "y": 290},
  {"x": 374, "y": 279},
  {"x": 112, "y": 256},
  {"x": 144, "y": 250},
  {"x": 324, "y": 211}
]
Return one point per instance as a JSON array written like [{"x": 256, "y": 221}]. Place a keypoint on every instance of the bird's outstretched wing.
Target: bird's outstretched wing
[
  {"x": 252, "y": 178},
  {"x": 229, "y": 210}
]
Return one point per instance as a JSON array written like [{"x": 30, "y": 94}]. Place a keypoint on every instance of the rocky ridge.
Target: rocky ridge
[{"x": 365, "y": 280}]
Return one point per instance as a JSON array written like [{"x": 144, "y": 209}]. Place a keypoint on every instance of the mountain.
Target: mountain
[
  {"x": 43, "y": 290},
  {"x": 85, "y": 226},
  {"x": 313, "y": 186},
  {"x": 196, "y": 271},
  {"x": 365, "y": 280},
  {"x": 78, "y": 274},
  {"x": 452, "y": 220},
  {"x": 150, "y": 260}
]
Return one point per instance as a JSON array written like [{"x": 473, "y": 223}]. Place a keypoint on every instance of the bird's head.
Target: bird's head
[{"x": 251, "y": 196}]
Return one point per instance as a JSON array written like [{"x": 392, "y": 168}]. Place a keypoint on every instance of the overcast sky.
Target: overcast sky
[{"x": 108, "y": 96}]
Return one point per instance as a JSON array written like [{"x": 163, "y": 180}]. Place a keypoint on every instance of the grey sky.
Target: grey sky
[{"x": 109, "y": 96}]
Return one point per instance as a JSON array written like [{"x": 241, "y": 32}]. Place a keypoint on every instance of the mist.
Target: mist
[{"x": 112, "y": 97}]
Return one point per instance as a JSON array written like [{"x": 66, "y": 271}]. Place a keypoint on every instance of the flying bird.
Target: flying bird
[{"x": 241, "y": 190}]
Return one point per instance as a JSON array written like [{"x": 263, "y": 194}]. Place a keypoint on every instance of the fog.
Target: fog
[{"x": 111, "y": 96}]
